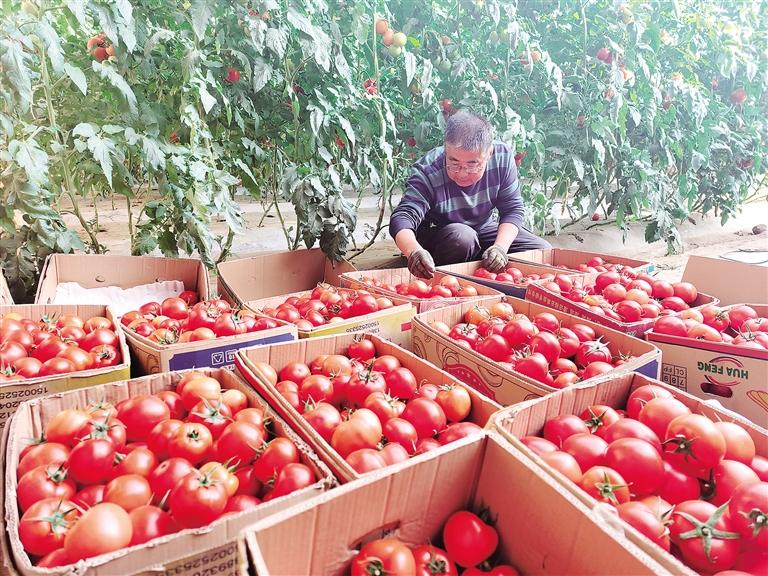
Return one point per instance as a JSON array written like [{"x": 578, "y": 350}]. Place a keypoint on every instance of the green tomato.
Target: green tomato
[
  {"x": 445, "y": 65},
  {"x": 399, "y": 39},
  {"x": 394, "y": 50}
]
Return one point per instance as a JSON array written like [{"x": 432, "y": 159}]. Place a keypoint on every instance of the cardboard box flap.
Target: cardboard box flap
[
  {"x": 5, "y": 292},
  {"x": 272, "y": 274},
  {"x": 557, "y": 257},
  {"x": 731, "y": 282},
  {"x": 98, "y": 270}
]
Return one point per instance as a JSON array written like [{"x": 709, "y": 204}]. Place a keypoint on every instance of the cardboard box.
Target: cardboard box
[
  {"x": 540, "y": 295},
  {"x": 731, "y": 282},
  {"x": 557, "y": 257},
  {"x": 14, "y": 393},
  {"x": 489, "y": 377},
  {"x": 734, "y": 376},
  {"x": 391, "y": 323},
  {"x": 150, "y": 357},
  {"x": 207, "y": 550},
  {"x": 273, "y": 274},
  {"x": 97, "y": 271},
  {"x": 528, "y": 419},
  {"x": 306, "y": 351},
  {"x": 542, "y": 528},
  {"x": 465, "y": 270},
  {"x": 359, "y": 280},
  {"x": 5, "y": 292}
]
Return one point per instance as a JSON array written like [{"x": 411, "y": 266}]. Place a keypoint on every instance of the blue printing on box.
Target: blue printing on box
[
  {"x": 220, "y": 356},
  {"x": 650, "y": 369}
]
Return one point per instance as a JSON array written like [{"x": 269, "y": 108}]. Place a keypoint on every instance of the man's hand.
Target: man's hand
[
  {"x": 495, "y": 259},
  {"x": 420, "y": 263}
]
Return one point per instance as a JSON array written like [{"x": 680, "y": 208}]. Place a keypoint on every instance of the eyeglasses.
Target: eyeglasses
[{"x": 471, "y": 168}]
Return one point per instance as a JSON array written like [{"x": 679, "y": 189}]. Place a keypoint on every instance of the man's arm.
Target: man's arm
[{"x": 509, "y": 203}]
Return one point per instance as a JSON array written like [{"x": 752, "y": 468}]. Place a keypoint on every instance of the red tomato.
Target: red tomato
[
  {"x": 677, "y": 486},
  {"x": 726, "y": 477},
  {"x": 366, "y": 459},
  {"x": 739, "y": 445},
  {"x": 605, "y": 485},
  {"x": 161, "y": 435},
  {"x": 176, "y": 308},
  {"x": 128, "y": 491},
  {"x": 400, "y": 431},
  {"x": 90, "y": 462},
  {"x": 455, "y": 401},
  {"x": 557, "y": 429},
  {"x": 546, "y": 321},
  {"x": 166, "y": 475},
  {"x": 239, "y": 443},
  {"x": 235, "y": 400},
  {"x": 362, "y": 350},
  {"x": 295, "y": 372},
  {"x": 638, "y": 462},
  {"x": 45, "y": 524},
  {"x": 140, "y": 414},
  {"x": 275, "y": 456},
  {"x": 685, "y": 291},
  {"x": 748, "y": 510},
  {"x": 65, "y": 426},
  {"x": 141, "y": 461},
  {"x": 468, "y": 539},
  {"x": 583, "y": 332},
  {"x": 81, "y": 359},
  {"x": 563, "y": 463},
  {"x": 199, "y": 388},
  {"x": 432, "y": 561},
  {"x": 363, "y": 384},
  {"x": 534, "y": 366},
  {"x": 644, "y": 521},
  {"x": 27, "y": 367},
  {"x": 707, "y": 550},
  {"x": 99, "y": 337},
  {"x": 738, "y": 315},
  {"x": 46, "y": 481},
  {"x": 629, "y": 428},
  {"x": 104, "y": 528},
  {"x": 384, "y": 556},
  {"x": 191, "y": 441},
  {"x": 393, "y": 453},
  {"x": 241, "y": 503},
  {"x": 41, "y": 454},
  {"x": 641, "y": 395},
  {"x": 197, "y": 500},
  {"x": 106, "y": 427},
  {"x": 384, "y": 406},
  {"x": 693, "y": 442},
  {"x": 538, "y": 445},
  {"x": 401, "y": 383},
  {"x": 292, "y": 477},
  {"x": 362, "y": 430},
  {"x": 458, "y": 430},
  {"x": 215, "y": 416},
  {"x": 324, "y": 418},
  {"x": 385, "y": 364},
  {"x": 57, "y": 365},
  {"x": 588, "y": 450},
  {"x": 150, "y": 522},
  {"x": 426, "y": 416},
  {"x": 659, "y": 412},
  {"x": 97, "y": 322},
  {"x": 595, "y": 351},
  {"x": 105, "y": 356},
  {"x": 173, "y": 401},
  {"x": 598, "y": 417}
]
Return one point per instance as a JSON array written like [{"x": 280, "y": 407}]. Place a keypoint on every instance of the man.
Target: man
[{"x": 446, "y": 213}]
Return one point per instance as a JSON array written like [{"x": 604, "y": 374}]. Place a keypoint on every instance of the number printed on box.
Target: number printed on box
[{"x": 674, "y": 375}]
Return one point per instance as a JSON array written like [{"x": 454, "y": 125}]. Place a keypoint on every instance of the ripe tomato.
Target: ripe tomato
[
  {"x": 458, "y": 430},
  {"x": 638, "y": 462},
  {"x": 292, "y": 477},
  {"x": 738, "y": 315},
  {"x": 128, "y": 491},
  {"x": 235, "y": 400},
  {"x": 81, "y": 359},
  {"x": 546, "y": 321},
  {"x": 384, "y": 556},
  {"x": 362, "y": 350},
  {"x": 671, "y": 325},
  {"x": 41, "y": 454},
  {"x": 588, "y": 450},
  {"x": 173, "y": 401},
  {"x": 538, "y": 445},
  {"x": 90, "y": 462},
  {"x": 141, "y": 461},
  {"x": 557, "y": 429},
  {"x": 191, "y": 441},
  {"x": 384, "y": 406},
  {"x": 199, "y": 388},
  {"x": 215, "y": 416},
  {"x": 748, "y": 510},
  {"x": 97, "y": 322},
  {"x": 141, "y": 414},
  {"x": 367, "y": 459},
  {"x": 324, "y": 418},
  {"x": 100, "y": 337},
  {"x": 65, "y": 425},
  {"x": 176, "y": 308},
  {"x": 455, "y": 401},
  {"x": 641, "y": 395},
  {"x": 27, "y": 367},
  {"x": 426, "y": 416},
  {"x": 432, "y": 561},
  {"x": 726, "y": 477},
  {"x": 362, "y": 430},
  {"x": 295, "y": 372},
  {"x": 685, "y": 291},
  {"x": 629, "y": 428},
  {"x": 241, "y": 503},
  {"x": 46, "y": 481},
  {"x": 363, "y": 384},
  {"x": 239, "y": 443},
  {"x": 546, "y": 344},
  {"x": 659, "y": 412},
  {"x": 166, "y": 475},
  {"x": 708, "y": 548},
  {"x": 605, "y": 485},
  {"x": 316, "y": 388},
  {"x": 644, "y": 521},
  {"x": 739, "y": 445},
  {"x": 393, "y": 453},
  {"x": 400, "y": 431},
  {"x": 45, "y": 524},
  {"x": 197, "y": 500},
  {"x": 55, "y": 366},
  {"x": 276, "y": 455},
  {"x": 401, "y": 383},
  {"x": 150, "y": 522},
  {"x": 593, "y": 351},
  {"x": 534, "y": 366},
  {"x": 563, "y": 463},
  {"x": 224, "y": 474},
  {"x": 105, "y": 356},
  {"x": 677, "y": 486},
  {"x": 693, "y": 442},
  {"x": 596, "y": 369},
  {"x": 104, "y": 528},
  {"x": 468, "y": 539},
  {"x": 598, "y": 417},
  {"x": 104, "y": 427},
  {"x": 161, "y": 435}
]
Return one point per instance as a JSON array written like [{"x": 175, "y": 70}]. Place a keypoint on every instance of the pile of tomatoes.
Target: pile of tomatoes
[
  {"x": 326, "y": 304},
  {"x": 372, "y": 410},
  {"x": 514, "y": 275},
  {"x": 539, "y": 348},
  {"x": 597, "y": 264},
  {"x": 110, "y": 476},
  {"x": 183, "y": 319},
  {"x": 738, "y": 325},
  {"x": 628, "y": 296},
  {"x": 691, "y": 485},
  {"x": 468, "y": 541},
  {"x": 55, "y": 345},
  {"x": 445, "y": 287}
]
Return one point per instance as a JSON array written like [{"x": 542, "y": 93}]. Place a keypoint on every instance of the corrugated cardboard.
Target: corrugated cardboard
[
  {"x": 391, "y": 323},
  {"x": 465, "y": 270},
  {"x": 528, "y": 419},
  {"x": 306, "y": 351},
  {"x": 734, "y": 376},
  {"x": 16, "y": 392},
  {"x": 542, "y": 528},
  {"x": 207, "y": 550},
  {"x": 731, "y": 282},
  {"x": 273, "y": 274},
  {"x": 540, "y": 295},
  {"x": 5, "y": 292},
  {"x": 489, "y": 377},
  {"x": 97, "y": 270},
  {"x": 555, "y": 257},
  {"x": 150, "y": 357},
  {"x": 396, "y": 276}
]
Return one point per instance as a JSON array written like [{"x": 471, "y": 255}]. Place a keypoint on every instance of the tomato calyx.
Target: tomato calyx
[
  {"x": 58, "y": 475},
  {"x": 684, "y": 446},
  {"x": 48, "y": 322},
  {"x": 58, "y": 520},
  {"x": 212, "y": 412},
  {"x": 437, "y": 565},
  {"x": 100, "y": 429},
  {"x": 706, "y": 531},
  {"x": 607, "y": 490},
  {"x": 595, "y": 421},
  {"x": 758, "y": 520}
]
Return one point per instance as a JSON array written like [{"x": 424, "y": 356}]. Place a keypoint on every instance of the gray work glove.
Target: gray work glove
[
  {"x": 420, "y": 264},
  {"x": 495, "y": 259}
]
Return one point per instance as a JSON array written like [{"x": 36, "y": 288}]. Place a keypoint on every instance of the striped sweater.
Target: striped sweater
[{"x": 431, "y": 197}]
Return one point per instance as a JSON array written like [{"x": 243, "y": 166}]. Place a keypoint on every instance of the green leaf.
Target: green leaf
[
  {"x": 201, "y": 14},
  {"x": 32, "y": 159},
  {"x": 198, "y": 170},
  {"x": 53, "y": 45},
  {"x": 102, "y": 150},
  {"x": 410, "y": 67},
  {"x": 262, "y": 72},
  {"x": 206, "y": 99},
  {"x": 579, "y": 166},
  {"x": 347, "y": 129},
  {"x": 156, "y": 39},
  {"x": 106, "y": 23},
  {"x": 123, "y": 12},
  {"x": 107, "y": 72},
  {"x": 78, "y": 78},
  {"x": 77, "y": 7},
  {"x": 153, "y": 154},
  {"x": 84, "y": 129},
  {"x": 13, "y": 65},
  {"x": 276, "y": 40}
]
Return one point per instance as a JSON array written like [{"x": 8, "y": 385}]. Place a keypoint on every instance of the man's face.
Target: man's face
[{"x": 465, "y": 167}]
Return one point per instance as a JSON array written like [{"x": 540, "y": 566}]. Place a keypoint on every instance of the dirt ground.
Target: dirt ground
[{"x": 706, "y": 237}]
